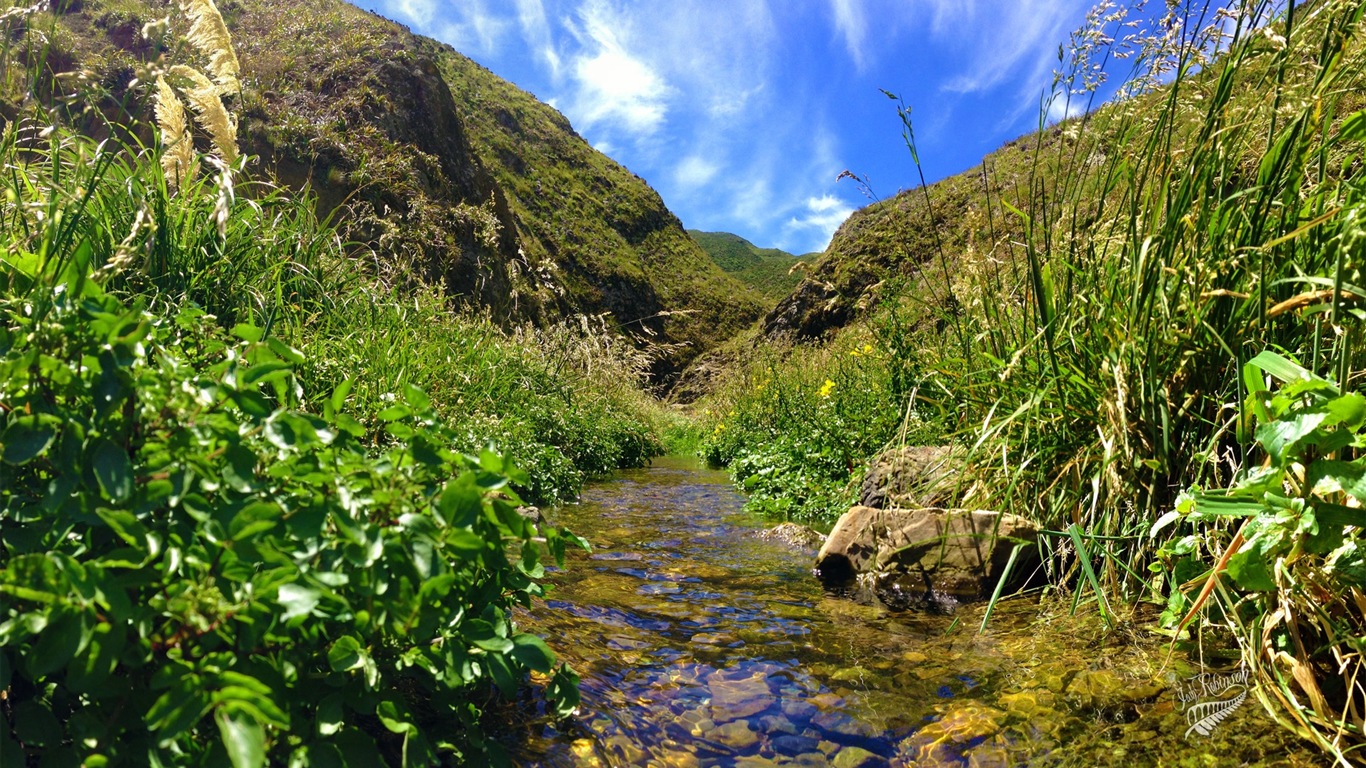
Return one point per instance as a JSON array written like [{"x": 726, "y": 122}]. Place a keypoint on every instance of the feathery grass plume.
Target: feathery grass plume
[
  {"x": 177, "y": 158},
  {"x": 210, "y": 35},
  {"x": 209, "y": 110}
]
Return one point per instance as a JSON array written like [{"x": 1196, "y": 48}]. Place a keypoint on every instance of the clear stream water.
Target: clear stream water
[{"x": 702, "y": 644}]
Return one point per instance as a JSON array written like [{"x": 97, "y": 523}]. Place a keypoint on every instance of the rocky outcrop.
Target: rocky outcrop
[
  {"x": 814, "y": 310},
  {"x": 940, "y": 554}
]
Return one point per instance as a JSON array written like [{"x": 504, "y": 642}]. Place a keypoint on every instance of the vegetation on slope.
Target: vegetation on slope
[
  {"x": 459, "y": 179},
  {"x": 770, "y": 271},
  {"x": 1091, "y": 316},
  {"x": 251, "y": 510}
]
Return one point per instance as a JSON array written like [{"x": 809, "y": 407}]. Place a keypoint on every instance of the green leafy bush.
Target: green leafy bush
[
  {"x": 195, "y": 570},
  {"x": 795, "y": 431}
]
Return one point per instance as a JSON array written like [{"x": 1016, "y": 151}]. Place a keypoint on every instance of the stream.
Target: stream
[{"x": 702, "y": 644}]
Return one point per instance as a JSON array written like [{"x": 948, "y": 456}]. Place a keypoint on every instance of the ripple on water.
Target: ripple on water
[{"x": 710, "y": 647}]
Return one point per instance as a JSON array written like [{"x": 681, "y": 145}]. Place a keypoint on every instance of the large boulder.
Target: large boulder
[
  {"x": 939, "y": 553},
  {"x": 911, "y": 476}
]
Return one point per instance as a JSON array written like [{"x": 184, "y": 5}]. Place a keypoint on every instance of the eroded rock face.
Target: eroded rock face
[
  {"x": 813, "y": 310},
  {"x": 943, "y": 554}
]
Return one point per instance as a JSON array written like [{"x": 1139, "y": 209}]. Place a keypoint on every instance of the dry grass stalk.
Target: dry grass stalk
[
  {"x": 177, "y": 159},
  {"x": 210, "y": 112},
  {"x": 210, "y": 35}
]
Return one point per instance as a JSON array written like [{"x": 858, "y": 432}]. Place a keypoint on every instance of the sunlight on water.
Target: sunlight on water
[{"x": 701, "y": 644}]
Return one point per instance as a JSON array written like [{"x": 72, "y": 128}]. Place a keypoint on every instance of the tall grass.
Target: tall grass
[
  {"x": 1110, "y": 280},
  {"x": 246, "y": 251}
]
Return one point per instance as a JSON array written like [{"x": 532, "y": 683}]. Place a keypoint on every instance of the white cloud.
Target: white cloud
[
  {"x": 823, "y": 215},
  {"x": 470, "y": 26},
  {"x": 695, "y": 171},
  {"x": 615, "y": 87},
  {"x": 1015, "y": 41},
  {"x": 531, "y": 17}
]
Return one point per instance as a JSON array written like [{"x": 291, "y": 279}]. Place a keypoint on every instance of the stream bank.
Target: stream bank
[{"x": 702, "y": 644}]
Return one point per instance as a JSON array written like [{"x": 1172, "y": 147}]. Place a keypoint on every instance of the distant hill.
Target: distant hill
[
  {"x": 439, "y": 170},
  {"x": 770, "y": 271}
]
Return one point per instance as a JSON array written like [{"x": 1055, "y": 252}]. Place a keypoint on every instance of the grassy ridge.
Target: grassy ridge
[
  {"x": 1086, "y": 315},
  {"x": 770, "y": 271}
]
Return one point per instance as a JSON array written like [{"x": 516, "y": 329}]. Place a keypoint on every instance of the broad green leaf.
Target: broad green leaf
[
  {"x": 263, "y": 372},
  {"x": 531, "y": 652},
  {"x": 330, "y": 717},
  {"x": 257, "y": 517},
  {"x": 58, "y": 643},
  {"x": 482, "y": 634},
  {"x": 35, "y": 725},
  {"x": 1162, "y": 522},
  {"x": 247, "y": 332},
  {"x": 490, "y": 462},
  {"x": 395, "y": 413},
  {"x": 93, "y": 667},
  {"x": 286, "y": 352},
  {"x": 416, "y": 397},
  {"x": 339, "y": 394},
  {"x": 395, "y": 717},
  {"x": 1280, "y": 437},
  {"x": 126, "y": 525},
  {"x": 29, "y": 436},
  {"x": 239, "y": 468},
  {"x": 1353, "y": 128},
  {"x": 243, "y": 737},
  {"x": 297, "y": 600},
  {"x": 1348, "y": 410},
  {"x": 1279, "y": 366},
  {"x": 501, "y": 673},
  {"x": 1248, "y": 567},
  {"x": 113, "y": 470},
  {"x": 345, "y": 654},
  {"x": 461, "y": 502}
]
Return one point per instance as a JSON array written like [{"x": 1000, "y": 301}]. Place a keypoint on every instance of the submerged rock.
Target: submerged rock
[
  {"x": 940, "y": 555},
  {"x": 794, "y": 535}
]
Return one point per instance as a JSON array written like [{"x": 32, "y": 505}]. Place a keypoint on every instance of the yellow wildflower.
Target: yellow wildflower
[{"x": 826, "y": 388}]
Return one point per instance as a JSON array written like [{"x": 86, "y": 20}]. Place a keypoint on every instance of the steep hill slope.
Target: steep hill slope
[
  {"x": 770, "y": 271},
  {"x": 441, "y": 169}
]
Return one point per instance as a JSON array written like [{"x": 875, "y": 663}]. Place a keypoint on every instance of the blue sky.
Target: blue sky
[{"x": 742, "y": 113}]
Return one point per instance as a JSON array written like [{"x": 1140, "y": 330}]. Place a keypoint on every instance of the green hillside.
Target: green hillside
[
  {"x": 453, "y": 175},
  {"x": 770, "y": 271}
]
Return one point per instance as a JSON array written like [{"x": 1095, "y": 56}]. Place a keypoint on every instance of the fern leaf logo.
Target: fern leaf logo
[{"x": 1207, "y": 715}]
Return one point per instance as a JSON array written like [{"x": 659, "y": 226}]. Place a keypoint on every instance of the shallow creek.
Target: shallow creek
[{"x": 701, "y": 644}]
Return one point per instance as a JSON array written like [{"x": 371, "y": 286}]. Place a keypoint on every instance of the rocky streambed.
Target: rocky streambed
[{"x": 702, "y": 642}]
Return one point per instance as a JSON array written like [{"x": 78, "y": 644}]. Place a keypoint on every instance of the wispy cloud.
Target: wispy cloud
[
  {"x": 1015, "y": 41},
  {"x": 822, "y": 216},
  {"x": 531, "y": 17},
  {"x": 853, "y": 25},
  {"x": 616, "y": 88}
]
